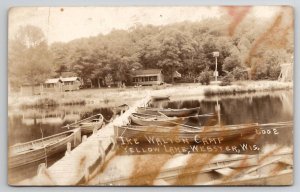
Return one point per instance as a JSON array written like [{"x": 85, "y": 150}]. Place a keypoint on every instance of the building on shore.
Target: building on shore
[
  {"x": 62, "y": 84},
  {"x": 53, "y": 85},
  {"x": 71, "y": 83},
  {"x": 27, "y": 89},
  {"x": 148, "y": 77}
]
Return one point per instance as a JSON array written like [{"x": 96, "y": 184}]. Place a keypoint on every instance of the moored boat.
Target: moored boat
[
  {"x": 159, "y": 120},
  {"x": 120, "y": 109},
  {"x": 157, "y": 97},
  {"x": 169, "y": 112},
  {"x": 25, "y": 153},
  {"x": 88, "y": 125},
  {"x": 224, "y": 132}
]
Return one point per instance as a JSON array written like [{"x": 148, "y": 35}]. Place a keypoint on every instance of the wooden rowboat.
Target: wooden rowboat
[
  {"x": 120, "y": 109},
  {"x": 150, "y": 120},
  {"x": 169, "y": 112},
  {"x": 32, "y": 151},
  {"x": 158, "y": 98},
  {"x": 224, "y": 132},
  {"x": 89, "y": 124},
  {"x": 274, "y": 172}
]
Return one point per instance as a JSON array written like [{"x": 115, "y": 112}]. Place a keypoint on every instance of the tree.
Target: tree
[
  {"x": 174, "y": 44},
  {"x": 29, "y": 58},
  {"x": 231, "y": 62},
  {"x": 60, "y": 53}
]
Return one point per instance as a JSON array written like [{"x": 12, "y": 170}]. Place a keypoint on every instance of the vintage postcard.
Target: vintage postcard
[{"x": 150, "y": 96}]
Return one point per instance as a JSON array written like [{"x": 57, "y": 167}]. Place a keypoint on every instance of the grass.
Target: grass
[
  {"x": 249, "y": 87},
  {"x": 116, "y": 96}
]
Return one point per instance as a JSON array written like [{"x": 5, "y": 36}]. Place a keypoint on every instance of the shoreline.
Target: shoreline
[{"x": 118, "y": 96}]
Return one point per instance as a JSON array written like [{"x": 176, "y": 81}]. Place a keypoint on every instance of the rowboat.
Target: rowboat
[
  {"x": 169, "y": 112},
  {"x": 158, "y": 98},
  {"x": 25, "y": 153},
  {"x": 146, "y": 119},
  {"x": 205, "y": 171},
  {"x": 276, "y": 171},
  {"x": 120, "y": 109},
  {"x": 226, "y": 132},
  {"x": 89, "y": 124}
]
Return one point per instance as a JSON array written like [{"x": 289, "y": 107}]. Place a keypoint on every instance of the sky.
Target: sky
[{"x": 63, "y": 24}]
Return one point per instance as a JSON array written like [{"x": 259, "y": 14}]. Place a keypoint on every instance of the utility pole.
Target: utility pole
[{"x": 216, "y": 74}]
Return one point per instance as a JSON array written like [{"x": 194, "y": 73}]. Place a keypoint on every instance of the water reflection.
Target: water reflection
[
  {"x": 31, "y": 124},
  {"x": 253, "y": 108},
  {"x": 260, "y": 108}
]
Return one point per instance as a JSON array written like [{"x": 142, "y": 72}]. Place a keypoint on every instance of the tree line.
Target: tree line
[{"x": 185, "y": 47}]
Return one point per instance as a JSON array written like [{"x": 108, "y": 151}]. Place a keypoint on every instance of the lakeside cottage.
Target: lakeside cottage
[
  {"x": 53, "y": 85},
  {"x": 148, "y": 77},
  {"x": 62, "y": 84},
  {"x": 29, "y": 89},
  {"x": 71, "y": 83}
]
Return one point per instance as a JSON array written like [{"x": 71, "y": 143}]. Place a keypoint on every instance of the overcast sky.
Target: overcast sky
[{"x": 68, "y": 23}]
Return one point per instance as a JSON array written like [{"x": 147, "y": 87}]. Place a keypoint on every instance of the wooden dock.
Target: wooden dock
[{"x": 79, "y": 164}]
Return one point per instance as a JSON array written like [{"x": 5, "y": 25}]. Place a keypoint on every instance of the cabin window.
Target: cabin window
[
  {"x": 68, "y": 83},
  {"x": 153, "y": 78},
  {"x": 49, "y": 85}
]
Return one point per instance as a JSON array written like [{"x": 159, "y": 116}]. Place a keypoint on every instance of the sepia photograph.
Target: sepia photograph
[{"x": 150, "y": 96}]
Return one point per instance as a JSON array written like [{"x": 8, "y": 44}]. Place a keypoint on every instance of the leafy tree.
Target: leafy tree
[
  {"x": 204, "y": 77},
  {"x": 30, "y": 60},
  {"x": 108, "y": 80},
  {"x": 230, "y": 63}
]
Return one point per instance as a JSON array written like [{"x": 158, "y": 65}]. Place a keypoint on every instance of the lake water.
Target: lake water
[
  {"x": 267, "y": 107},
  {"x": 262, "y": 108}
]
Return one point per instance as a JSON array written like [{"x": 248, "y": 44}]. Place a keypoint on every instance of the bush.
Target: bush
[
  {"x": 226, "y": 80},
  {"x": 239, "y": 74},
  {"x": 261, "y": 72},
  {"x": 274, "y": 72},
  {"x": 43, "y": 102},
  {"x": 204, "y": 77},
  {"x": 230, "y": 63}
]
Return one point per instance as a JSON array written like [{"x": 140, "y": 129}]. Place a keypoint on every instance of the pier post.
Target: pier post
[
  {"x": 69, "y": 147},
  {"x": 41, "y": 169},
  {"x": 84, "y": 138},
  {"x": 86, "y": 174},
  {"x": 77, "y": 138},
  {"x": 101, "y": 151},
  {"x": 95, "y": 130},
  {"x": 113, "y": 140}
]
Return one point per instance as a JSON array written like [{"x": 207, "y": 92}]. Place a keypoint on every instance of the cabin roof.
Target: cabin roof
[
  {"x": 147, "y": 72},
  {"x": 55, "y": 80},
  {"x": 70, "y": 79}
]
